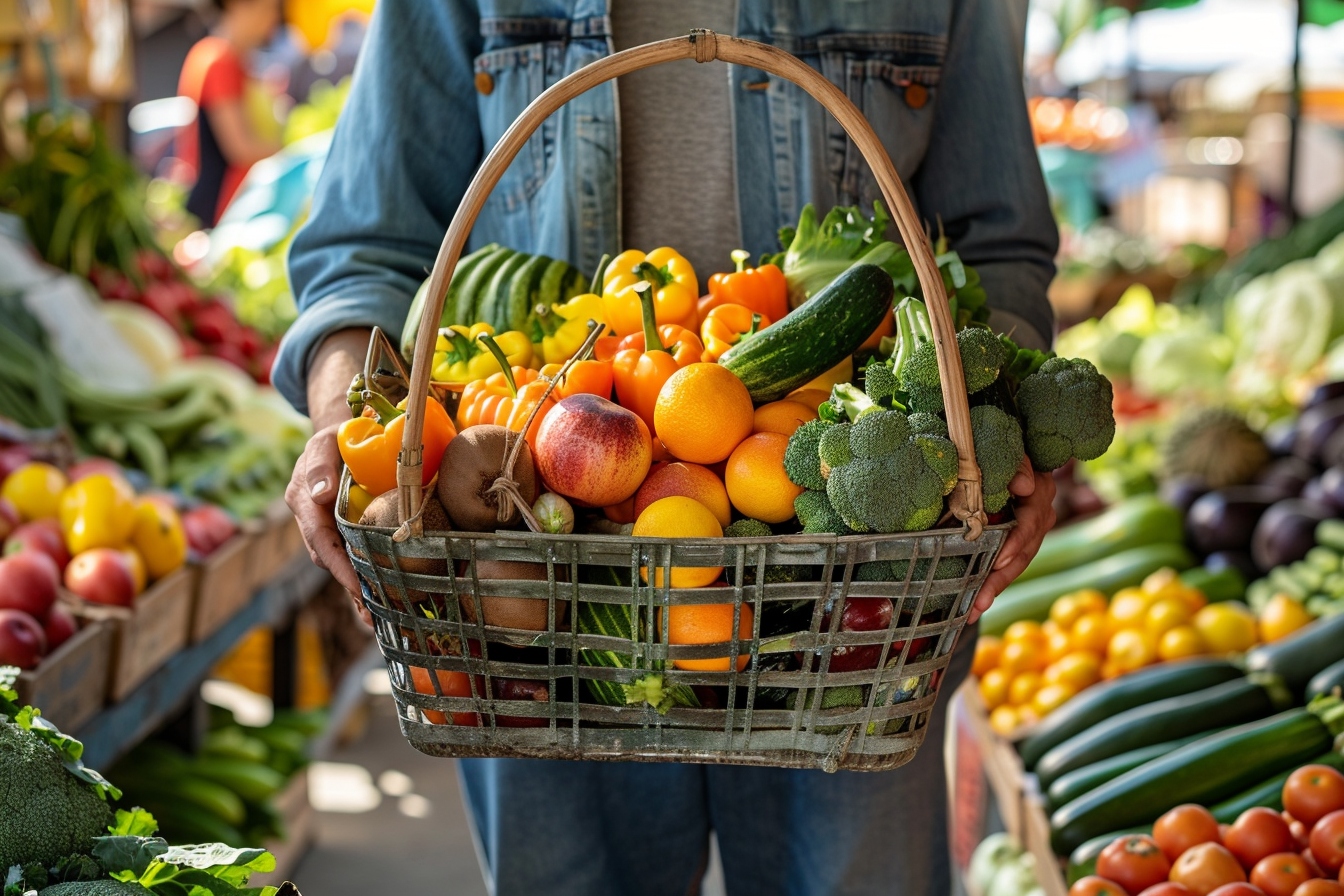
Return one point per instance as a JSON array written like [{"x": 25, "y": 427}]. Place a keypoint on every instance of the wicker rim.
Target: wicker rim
[{"x": 967, "y": 499}]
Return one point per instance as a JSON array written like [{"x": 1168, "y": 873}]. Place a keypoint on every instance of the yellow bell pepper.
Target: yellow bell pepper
[
  {"x": 459, "y": 357},
  {"x": 676, "y": 290},
  {"x": 98, "y": 511},
  {"x": 158, "y": 537},
  {"x": 564, "y": 327}
]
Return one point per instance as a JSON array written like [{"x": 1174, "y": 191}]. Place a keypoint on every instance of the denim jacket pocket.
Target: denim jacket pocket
[{"x": 506, "y": 81}]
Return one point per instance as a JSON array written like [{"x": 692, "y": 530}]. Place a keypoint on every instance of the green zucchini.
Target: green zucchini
[
  {"x": 1226, "y": 584},
  {"x": 1130, "y": 524},
  {"x": 1328, "y": 680},
  {"x": 1211, "y": 769},
  {"x": 495, "y": 292},
  {"x": 465, "y": 266},
  {"x": 1268, "y": 793},
  {"x": 1298, "y": 657},
  {"x": 613, "y": 620},
  {"x": 1032, "y": 600},
  {"x": 250, "y": 780},
  {"x": 517, "y": 300},
  {"x": 200, "y": 793},
  {"x": 815, "y": 336},
  {"x": 1099, "y": 703},
  {"x": 1231, "y": 703},
  {"x": 1070, "y": 786}
]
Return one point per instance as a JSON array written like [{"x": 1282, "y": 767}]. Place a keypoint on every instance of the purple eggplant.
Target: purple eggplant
[
  {"x": 1328, "y": 489},
  {"x": 1224, "y": 520},
  {"x": 1182, "y": 491},
  {"x": 1287, "y": 476},
  {"x": 1323, "y": 393},
  {"x": 1286, "y": 532},
  {"x": 1316, "y": 427}
]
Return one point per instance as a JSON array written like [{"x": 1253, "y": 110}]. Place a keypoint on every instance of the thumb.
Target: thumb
[{"x": 323, "y": 468}]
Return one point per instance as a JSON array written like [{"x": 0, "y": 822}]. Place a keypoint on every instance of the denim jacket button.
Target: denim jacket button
[
  {"x": 485, "y": 83},
  {"x": 916, "y": 95}
]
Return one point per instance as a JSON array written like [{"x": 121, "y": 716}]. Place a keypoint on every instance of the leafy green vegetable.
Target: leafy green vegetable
[
  {"x": 815, "y": 253},
  {"x": 130, "y": 854}
]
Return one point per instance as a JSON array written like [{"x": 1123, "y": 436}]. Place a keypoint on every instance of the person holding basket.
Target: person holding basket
[{"x": 706, "y": 158}]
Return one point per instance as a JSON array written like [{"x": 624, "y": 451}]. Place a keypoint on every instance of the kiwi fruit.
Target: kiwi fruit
[{"x": 470, "y": 465}]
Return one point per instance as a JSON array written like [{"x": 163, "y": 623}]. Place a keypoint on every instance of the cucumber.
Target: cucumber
[
  {"x": 203, "y": 794},
  {"x": 1032, "y": 600},
  {"x": 1211, "y": 769},
  {"x": 1231, "y": 703},
  {"x": 1268, "y": 793},
  {"x": 1226, "y": 584},
  {"x": 1298, "y": 657},
  {"x": 234, "y": 743},
  {"x": 514, "y": 308},
  {"x": 613, "y": 620},
  {"x": 250, "y": 780},
  {"x": 1130, "y": 524},
  {"x": 1099, "y": 703},
  {"x": 461, "y": 274},
  {"x": 1326, "y": 681},
  {"x": 1082, "y": 780},
  {"x": 495, "y": 292},
  {"x": 815, "y": 336}
]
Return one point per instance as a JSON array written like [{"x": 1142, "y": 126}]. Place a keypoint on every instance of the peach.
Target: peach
[
  {"x": 593, "y": 451},
  {"x": 689, "y": 481}
]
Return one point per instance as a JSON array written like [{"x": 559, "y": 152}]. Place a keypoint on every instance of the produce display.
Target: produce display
[
  {"x": 672, "y": 414},
  {"x": 62, "y": 837}
]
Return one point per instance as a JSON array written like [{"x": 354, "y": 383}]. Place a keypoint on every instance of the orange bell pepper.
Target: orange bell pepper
[
  {"x": 675, "y": 289},
  {"x": 525, "y": 398},
  {"x": 369, "y": 445},
  {"x": 640, "y": 372},
  {"x": 491, "y": 400},
  {"x": 590, "y": 377},
  {"x": 761, "y": 289},
  {"x": 726, "y": 326},
  {"x": 678, "y": 340}
]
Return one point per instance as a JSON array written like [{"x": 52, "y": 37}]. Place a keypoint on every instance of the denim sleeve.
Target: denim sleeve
[
  {"x": 980, "y": 176},
  {"x": 403, "y": 153}
]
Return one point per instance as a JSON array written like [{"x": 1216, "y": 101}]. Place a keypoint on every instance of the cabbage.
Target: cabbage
[
  {"x": 1191, "y": 359},
  {"x": 1016, "y": 878},
  {"x": 993, "y": 853},
  {"x": 1283, "y": 322}
]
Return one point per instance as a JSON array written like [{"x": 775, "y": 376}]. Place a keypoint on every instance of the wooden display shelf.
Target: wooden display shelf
[
  {"x": 70, "y": 684},
  {"x": 1003, "y": 767},
  {"x": 223, "y": 586}
]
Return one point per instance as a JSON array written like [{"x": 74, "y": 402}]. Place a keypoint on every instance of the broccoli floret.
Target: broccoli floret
[
  {"x": 982, "y": 357},
  {"x": 833, "y": 449},
  {"x": 849, "y": 402},
  {"x": 876, "y": 571},
  {"x": 880, "y": 383},
  {"x": 928, "y": 425},
  {"x": 896, "y": 481},
  {"x": 48, "y": 813},
  {"x": 747, "y": 528},
  {"x": 998, "y": 451},
  {"x": 947, "y": 568},
  {"x": 104, "y": 887},
  {"x": 801, "y": 462},
  {"x": 815, "y": 512},
  {"x": 1066, "y": 412}
]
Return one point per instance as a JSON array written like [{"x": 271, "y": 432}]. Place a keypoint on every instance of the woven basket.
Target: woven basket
[{"x": 785, "y": 707}]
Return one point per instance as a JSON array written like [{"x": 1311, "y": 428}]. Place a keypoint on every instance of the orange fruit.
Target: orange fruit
[
  {"x": 1058, "y": 646},
  {"x": 708, "y": 624},
  {"x": 757, "y": 483},
  {"x": 1077, "y": 670},
  {"x": 689, "y": 481},
  {"x": 994, "y": 688},
  {"x": 1091, "y": 632},
  {"x": 813, "y": 398},
  {"x": 1022, "y": 656},
  {"x": 782, "y": 416},
  {"x": 1281, "y": 617},
  {"x": 988, "y": 649},
  {"x": 1025, "y": 631},
  {"x": 679, "y": 517},
  {"x": 1023, "y": 688},
  {"x": 702, "y": 412}
]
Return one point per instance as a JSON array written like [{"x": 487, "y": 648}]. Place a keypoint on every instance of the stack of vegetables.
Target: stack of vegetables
[
  {"x": 733, "y": 415},
  {"x": 1288, "y": 842},
  {"x": 62, "y": 838}
]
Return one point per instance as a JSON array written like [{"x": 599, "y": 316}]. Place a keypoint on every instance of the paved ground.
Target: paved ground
[{"x": 391, "y": 821}]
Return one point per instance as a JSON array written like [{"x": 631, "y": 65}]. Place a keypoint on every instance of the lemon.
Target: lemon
[
  {"x": 1227, "y": 627},
  {"x": 679, "y": 517}
]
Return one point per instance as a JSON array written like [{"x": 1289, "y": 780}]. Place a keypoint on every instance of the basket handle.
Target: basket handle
[{"x": 703, "y": 46}]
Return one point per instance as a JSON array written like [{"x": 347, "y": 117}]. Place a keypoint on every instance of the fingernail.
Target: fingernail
[{"x": 319, "y": 487}]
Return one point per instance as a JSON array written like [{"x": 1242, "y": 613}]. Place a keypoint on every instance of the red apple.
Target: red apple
[
  {"x": 593, "y": 451},
  {"x": 12, "y": 457},
  {"x": 102, "y": 575},
  {"x": 9, "y": 518},
  {"x": 91, "y": 465},
  {"x": 22, "y": 643},
  {"x": 43, "y": 536},
  {"x": 58, "y": 628},
  {"x": 28, "y": 582},
  {"x": 207, "y": 527}
]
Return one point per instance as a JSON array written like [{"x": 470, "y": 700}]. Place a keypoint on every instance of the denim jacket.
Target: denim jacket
[{"x": 439, "y": 81}]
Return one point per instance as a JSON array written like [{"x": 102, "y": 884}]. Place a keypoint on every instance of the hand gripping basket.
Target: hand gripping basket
[{"x": 785, "y": 707}]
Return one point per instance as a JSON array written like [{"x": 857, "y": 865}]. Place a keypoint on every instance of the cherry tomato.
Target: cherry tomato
[
  {"x": 1238, "y": 889},
  {"x": 1184, "y": 827},
  {"x": 1134, "y": 861},
  {"x": 1257, "y": 833},
  {"x": 1311, "y": 864},
  {"x": 1320, "y": 887},
  {"x": 1301, "y": 833},
  {"x": 1095, "y": 886},
  {"x": 1281, "y": 874},
  {"x": 1167, "y": 888},
  {"x": 1206, "y": 867},
  {"x": 1313, "y": 792},
  {"x": 1327, "y": 843}
]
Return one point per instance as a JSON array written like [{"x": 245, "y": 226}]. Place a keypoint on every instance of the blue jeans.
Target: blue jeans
[{"x": 630, "y": 829}]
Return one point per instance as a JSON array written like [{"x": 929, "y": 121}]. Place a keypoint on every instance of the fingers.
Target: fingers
[
  {"x": 1035, "y": 514},
  {"x": 314, "y": 510},
  {"x": 1024, "y": 481},
  {"x": 322, "y": 461},
  {"x": 360, "y": 610}
]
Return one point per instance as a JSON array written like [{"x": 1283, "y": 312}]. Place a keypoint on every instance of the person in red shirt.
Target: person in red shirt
[{"x": 222, "y": 144}]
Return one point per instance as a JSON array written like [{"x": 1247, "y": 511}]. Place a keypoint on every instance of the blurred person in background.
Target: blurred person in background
[{"x": 232, "y": 130}]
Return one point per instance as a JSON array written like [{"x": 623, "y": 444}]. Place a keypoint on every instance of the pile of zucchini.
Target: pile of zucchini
[{"x": 1217, "y": 732}]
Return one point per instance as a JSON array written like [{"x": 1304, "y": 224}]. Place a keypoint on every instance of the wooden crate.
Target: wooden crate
[
  {"x": 1003, "y": 767},
  {"x": 300, "y": 831},
  {"x": 222, "y": 585},
  {"x": 70, "y": 686},
  {"x": 1049, "y": 868},
  {"x": 276, "y": 540},
  {"x": 148, "y": 633}
]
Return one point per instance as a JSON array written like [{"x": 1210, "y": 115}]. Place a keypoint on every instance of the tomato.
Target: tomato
[
  {"x": 1301, "y": 833},
  {"x": 1184, "y": 827},
  {"x": 1320, "y": 887},
  {"x": 1327, "y": 843},
  {"x": 1095, "y": 886},
  {"x": 1313, "y": 792},
  {"x": 1134, "y": 861},
  {"x": 1257, "y": 833},
  {"x": 1206, "y": 867},
  {"x": 1280, "y": 874},
  {"x": 1167, "y": 888},
  {"x": 451, "y": 684},
  {"x": 1238, "y": 889},
  {"x": 1311, "y": 864}
]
